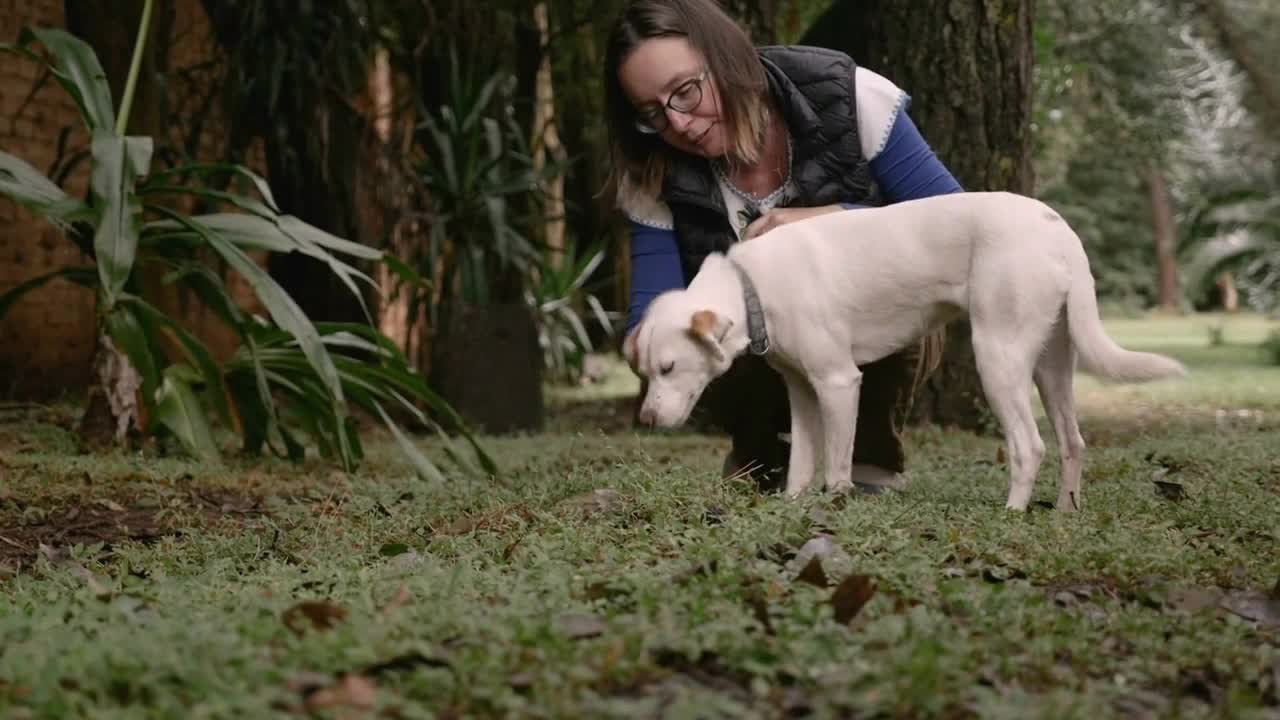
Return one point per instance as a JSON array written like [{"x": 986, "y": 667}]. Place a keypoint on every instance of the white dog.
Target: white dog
[{"x": 822, "y": 296}]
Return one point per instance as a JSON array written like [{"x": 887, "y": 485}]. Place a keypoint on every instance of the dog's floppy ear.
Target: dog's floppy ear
[
  {"x": 629, "y": 349},
  {"x": 710, "y": 328}
]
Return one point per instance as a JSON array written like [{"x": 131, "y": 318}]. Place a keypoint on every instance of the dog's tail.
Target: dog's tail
[{"x": 1099, "y": 354}]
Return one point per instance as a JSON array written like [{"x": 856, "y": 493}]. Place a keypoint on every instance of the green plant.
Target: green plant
[
  {"x": 1217, "y": 334},
  {"x": 1271, "y": 347},
  {"x": 1236, "y": 230},
  {"x": 290, "y": 376},
  {"x": 560, "y": 299},
  {"x": 484, "y": 189}
]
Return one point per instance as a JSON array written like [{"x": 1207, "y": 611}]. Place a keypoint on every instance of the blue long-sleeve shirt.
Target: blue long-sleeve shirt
[{"x": 905, "y": 169}]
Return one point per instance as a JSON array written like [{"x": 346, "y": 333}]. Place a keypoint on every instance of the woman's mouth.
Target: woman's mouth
[{"x": 703, "y": 136}]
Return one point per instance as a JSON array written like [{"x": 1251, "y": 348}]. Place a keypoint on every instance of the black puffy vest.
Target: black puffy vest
[{"x": 814, "y": 90}]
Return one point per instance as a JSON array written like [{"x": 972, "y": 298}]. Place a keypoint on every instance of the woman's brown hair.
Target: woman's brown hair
[{"x": 638, "y": 160}]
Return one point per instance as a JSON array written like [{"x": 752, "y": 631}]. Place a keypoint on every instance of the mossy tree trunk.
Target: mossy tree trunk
[{"x": 967, "y": 66}]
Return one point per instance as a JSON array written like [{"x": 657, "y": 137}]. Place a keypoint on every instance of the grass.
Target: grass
[{"x": 613, "y": 574}]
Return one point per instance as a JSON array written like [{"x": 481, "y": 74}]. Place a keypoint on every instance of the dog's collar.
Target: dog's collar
[{"x": 755, "y": 313}]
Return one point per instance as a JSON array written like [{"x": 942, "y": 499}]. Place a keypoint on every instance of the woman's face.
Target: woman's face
[{"x": 666, "y": 81}]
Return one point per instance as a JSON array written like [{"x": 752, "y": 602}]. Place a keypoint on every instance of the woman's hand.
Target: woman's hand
[{"x": 782, "y": 216}]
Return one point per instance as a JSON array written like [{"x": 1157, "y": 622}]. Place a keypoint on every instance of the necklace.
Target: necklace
[{"x": 752, "y": 200}]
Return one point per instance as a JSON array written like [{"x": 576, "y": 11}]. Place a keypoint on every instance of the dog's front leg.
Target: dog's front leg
[
  {"x": 838, "y": 405},
  {"x": 806, "y": 429}
]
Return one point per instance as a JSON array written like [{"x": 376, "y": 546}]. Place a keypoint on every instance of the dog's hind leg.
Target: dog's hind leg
[
  {"x": 1005, "y": 366},
  {"x": 1054, "y": 375},
  {"x": 806, "y": 432},
  {"x": 838, "y": 408}
]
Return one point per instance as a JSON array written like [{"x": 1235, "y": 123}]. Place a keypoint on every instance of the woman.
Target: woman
[{"x": 714, "y": 141}]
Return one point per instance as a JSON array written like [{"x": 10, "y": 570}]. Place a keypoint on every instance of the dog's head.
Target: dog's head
[{"x": 679, "y": 348}]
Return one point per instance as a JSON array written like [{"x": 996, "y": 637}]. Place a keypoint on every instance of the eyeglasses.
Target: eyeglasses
[{"x": 685, "y": 98}]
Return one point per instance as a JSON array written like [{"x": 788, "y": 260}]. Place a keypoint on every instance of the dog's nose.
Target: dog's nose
[{"x": 646, "y": 417}]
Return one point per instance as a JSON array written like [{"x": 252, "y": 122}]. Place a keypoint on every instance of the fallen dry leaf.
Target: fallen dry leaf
[
  {"x": 1262, "y": 608},
  {"x": 580, "y": 625},
  {"x": 510, "y": 549},
  {"x": 99, "y": 590},
  {"x": 306, "y": 682},
  {"x": 522, "y": 680},
  {"x": 402, "y": 598},
  {"x": 1170, "y": 490},
  {"x": 405, "y": 662},
  {"x": 111, "y": 505},
  {"x": 322, "y": 616},
  {"x": 813, "y": 573},
  {"x": 496, "y": 520},
  {"x": 350, "y": 691},
  {"x": 759, "y": 603},
  {"x": 597, "y": 502},
  {"x": 1194, "y": 599},
  {"x": 851, "y": 595},
  {"x": 1001, "y": 573}
]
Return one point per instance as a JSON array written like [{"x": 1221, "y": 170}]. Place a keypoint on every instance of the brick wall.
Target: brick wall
[{"x": 47, "y": 339}]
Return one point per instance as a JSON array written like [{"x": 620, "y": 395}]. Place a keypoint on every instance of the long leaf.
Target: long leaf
[
  {"x": 312, "y": 241},
  {"x": 27, "y": 187},
  {"x": 1216, "y": 254},
  {"x": 302, "y": 230},
  {"x": 202, "y": 169},
  {"x": 248, "y": 204},
  {"x": 117, "y": 164},
  {"x": 292, "y": 227},
  {"x": 274, "y": 429},
  {"x": 282, "y": 234},
  {"x": 85, "y": 276},
  {"x": 287, "y": 234},
  {"x": 424, "y": 468},
  {"x": 388, "y": 348},
  {"x": 286, "y": 313},
  {"x": 178, "y": 409},
  {"x": 78, "y": 71},
  {"x": 196, "y": 352},
  {"x": 209, "y": 287},
  {"x": 390, "y": 380}
]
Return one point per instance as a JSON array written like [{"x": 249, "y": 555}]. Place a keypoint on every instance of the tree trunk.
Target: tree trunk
[
  {"x": 546, "y": 143},
  {"x": 1230, "y": 296},
  {"x": 1234, "y": 43},
  {"x": 967, "y": 66},
  {"x": 1162, "y": 226},
  {"x": 308, "y": 187},
  {"x": 399, "y": 317},
  {"x": 312, "y": 155},
  {"x": 578, "y": 54}
]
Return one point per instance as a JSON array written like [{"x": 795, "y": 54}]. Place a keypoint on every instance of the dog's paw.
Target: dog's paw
[
  {"x": 844, "y": 487},
  {"x": 1019, "y": 498},
  {"x": 1069, "y": 502}
]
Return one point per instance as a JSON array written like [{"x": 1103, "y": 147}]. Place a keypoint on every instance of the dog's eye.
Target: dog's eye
[{"x": 666, "y": 369}]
